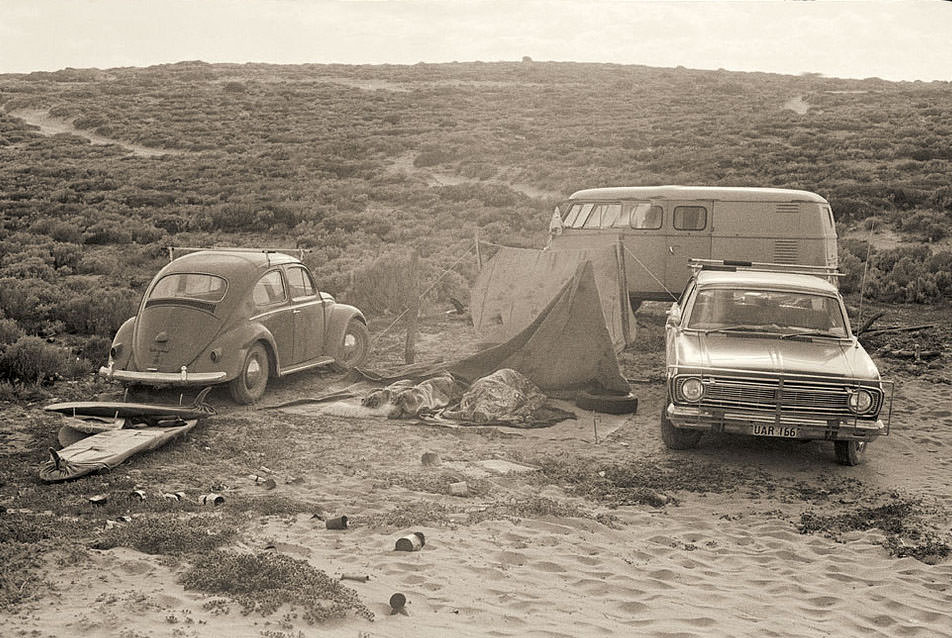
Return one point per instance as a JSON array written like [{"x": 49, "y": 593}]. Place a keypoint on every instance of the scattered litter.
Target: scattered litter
[
  {"x": 411, "y": 542},
  {"x": 459, "y": 489},
  {"x": 269, "y": 484},
  {"x": 138, "y": 495},
  {"x": 99, "y": 499},
  {"x": 336, "y": 523},
  {"x": 430, "y": 458},
  {"x": 211, "y": 499},
  {"x": 361, "y": 578},
  {"x": 398, "y": 604},
  {"x": 177, "y": 496}
]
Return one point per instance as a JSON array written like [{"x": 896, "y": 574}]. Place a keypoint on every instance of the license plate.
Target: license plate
[{"x": 782, "y": 431}]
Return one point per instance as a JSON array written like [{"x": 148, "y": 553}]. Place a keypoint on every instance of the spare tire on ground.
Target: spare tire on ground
[{"x": 607, "y": 403}]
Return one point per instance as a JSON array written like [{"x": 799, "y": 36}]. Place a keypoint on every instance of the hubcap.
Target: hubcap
[{"x": 253, "y": 372}]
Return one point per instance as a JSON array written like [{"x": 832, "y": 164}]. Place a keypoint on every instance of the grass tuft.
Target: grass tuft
[{"x": 264, "y": 582}]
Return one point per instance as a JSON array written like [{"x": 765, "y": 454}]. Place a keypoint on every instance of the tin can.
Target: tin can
[
  {"x": 138, "y": 495},
  {"x": 459, "y": 489},
  {"x": 411, "y": 542},
  {"x": 336, "y": 523},
  {"x": 397, "y": 603},
  {"x": 211, "y": 499}
]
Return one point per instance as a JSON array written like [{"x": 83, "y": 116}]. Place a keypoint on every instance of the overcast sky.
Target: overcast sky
[{"x": 890, "y": 39}]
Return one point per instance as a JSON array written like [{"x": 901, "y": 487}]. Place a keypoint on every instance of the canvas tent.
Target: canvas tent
[
  {"x": 518, "y": 283},
  {"x": 566, "y": 346}
]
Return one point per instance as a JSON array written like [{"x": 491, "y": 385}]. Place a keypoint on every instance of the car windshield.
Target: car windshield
[
  {"x": 785, "y": 312},
  {"x": 197, "y": 286}
]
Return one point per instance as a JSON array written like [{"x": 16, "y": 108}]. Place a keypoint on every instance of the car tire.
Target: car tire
[
  {"x": 252, "y": 380},
  {"x": 677, "y": 438},
  {"x": 354, "y": 347},
  {"x": 607, "y": 403},
  {"x": 849, "y": 452}
]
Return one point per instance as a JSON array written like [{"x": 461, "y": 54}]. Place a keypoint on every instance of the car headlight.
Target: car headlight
[
  {"x": 692, "y": 389},
  {"x": 860, "y": 401}
]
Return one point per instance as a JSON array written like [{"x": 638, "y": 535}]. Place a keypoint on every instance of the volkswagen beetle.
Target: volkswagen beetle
[
  {"x": 767, "y": 350},
  {"x": 234, "y": 316}
]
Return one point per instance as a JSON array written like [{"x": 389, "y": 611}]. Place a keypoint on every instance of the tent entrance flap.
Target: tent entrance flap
[{"x": 518, "y": 283}]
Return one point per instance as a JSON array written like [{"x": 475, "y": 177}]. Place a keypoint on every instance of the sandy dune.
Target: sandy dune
[{"x": 727, "y": 560}]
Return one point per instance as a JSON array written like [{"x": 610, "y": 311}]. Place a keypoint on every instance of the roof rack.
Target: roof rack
[
  {"x": 732, "y": 265},
  {"x": 179, "y": 251}
]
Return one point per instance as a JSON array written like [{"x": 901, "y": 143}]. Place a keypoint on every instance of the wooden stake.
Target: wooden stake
[
  {"x": 479, "y": 258},
  {"x": 409, "y": 352}
]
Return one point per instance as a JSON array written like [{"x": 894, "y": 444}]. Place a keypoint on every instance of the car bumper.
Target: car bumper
[
  {"x": 184, "y": 377},
  {"x": 769, "y": 424}
]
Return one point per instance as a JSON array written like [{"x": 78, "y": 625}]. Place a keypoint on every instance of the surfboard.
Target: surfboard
[
  {"x": 122, "y": 409},
  {"x": 105, "y": 450}
]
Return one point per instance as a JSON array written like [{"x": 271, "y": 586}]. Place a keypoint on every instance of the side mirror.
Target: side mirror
[{"x": 674, "y": 317}]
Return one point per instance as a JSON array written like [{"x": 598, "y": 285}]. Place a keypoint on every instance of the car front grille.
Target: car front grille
[{"x": 820, "y": 398}]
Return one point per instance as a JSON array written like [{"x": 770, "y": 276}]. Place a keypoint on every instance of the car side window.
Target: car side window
[
  {"x": 299, "y": 282},
  {"x": 269, "y": 289},
  {"x": 690, "y": 218}
]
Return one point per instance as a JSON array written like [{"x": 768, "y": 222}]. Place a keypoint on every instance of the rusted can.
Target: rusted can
[
  {"x": 397, "y": 603},
  {"x": 336, "y": 523},
  {"x": 139, "y": 495},
  {"x": 211, "y": 499},
  {"x": 99, "y": 499},
  {"x": 410, "y": 542}
]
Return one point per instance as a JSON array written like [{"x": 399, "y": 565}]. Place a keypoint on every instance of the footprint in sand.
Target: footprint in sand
[{"x": 549, "y": 567}]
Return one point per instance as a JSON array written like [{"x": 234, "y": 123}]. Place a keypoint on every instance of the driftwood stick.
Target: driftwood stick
[
  {"x": 924, "y": 326},
  {"x": 869, "y": 322}
]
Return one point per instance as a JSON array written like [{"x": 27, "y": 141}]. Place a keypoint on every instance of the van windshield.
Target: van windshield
[
  {"x": 784, "y": 312},
  {"x": 605, "y": 215}
]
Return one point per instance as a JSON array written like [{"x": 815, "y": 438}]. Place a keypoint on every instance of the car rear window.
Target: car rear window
[{"x": 197, "y": 286}]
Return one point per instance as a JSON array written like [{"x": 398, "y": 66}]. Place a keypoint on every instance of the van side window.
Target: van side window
[
  {"x": 578, "y": 215},
  {"x": 607, "y": 214},
  {"x": 690, "y": 217},
  {"x": 646, "y": 217},
  {"x": 595, "y": 217}
]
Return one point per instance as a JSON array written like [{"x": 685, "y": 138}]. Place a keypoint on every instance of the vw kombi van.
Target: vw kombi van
[{"x": 661, "y": 227}]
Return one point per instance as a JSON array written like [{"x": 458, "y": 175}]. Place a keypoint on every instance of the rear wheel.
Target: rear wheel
[
  {"x": 676, "y": 438},
  {"x": 354, "y": 347},
  {"x": 250, "y": 384},
  {"x": 849, "y": 452}
]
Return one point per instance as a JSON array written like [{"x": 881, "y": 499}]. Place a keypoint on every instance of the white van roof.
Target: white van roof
[{"x": 721, "y": 193}]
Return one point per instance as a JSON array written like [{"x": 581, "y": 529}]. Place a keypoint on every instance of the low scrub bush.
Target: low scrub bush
[
  {"x": 907, "y": 274},
  {"x": 262, "y": 583},
  {"x": 33, "y": 360},
  {"x": 98, "y": 312},
  {"x": 10, "y": 332}
]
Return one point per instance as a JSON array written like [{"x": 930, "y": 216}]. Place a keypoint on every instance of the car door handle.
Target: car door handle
[{"x": 295, "y": 312}]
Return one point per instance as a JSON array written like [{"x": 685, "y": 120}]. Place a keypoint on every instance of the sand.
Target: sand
[{"x": 729, "y": 561}]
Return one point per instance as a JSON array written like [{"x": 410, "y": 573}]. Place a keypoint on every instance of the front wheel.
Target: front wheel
[
  {"x": 849, "y": 452},
  {"x": 677, "y": 438},
  {"x": 354, "y": 347},
  {"x": 250, "y": 384}
]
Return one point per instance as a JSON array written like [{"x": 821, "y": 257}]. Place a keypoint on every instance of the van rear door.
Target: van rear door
[{"x": 688, "y": 236}]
